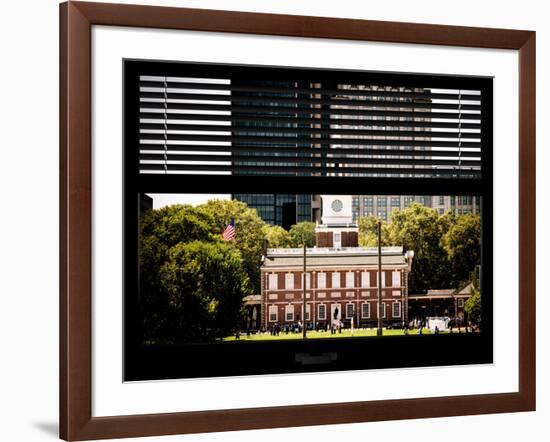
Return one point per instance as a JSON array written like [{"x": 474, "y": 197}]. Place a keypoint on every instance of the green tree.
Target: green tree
[
  {"x": 204, "y": 284},
  {"x": 161, "y": 230},
  {"x": 249, "y": 233},
  {"x": 277, "y": 236},
  {"x": 177, "y": 223},
  {"x": 171, "y": 228},
  {"x": 302, "y": 231},
  {"x": 463, "y": 247},
  {"x": 472, "y": 307},
  {"x": 368, "y": 231},
  {"x": 420, "y": 229}
]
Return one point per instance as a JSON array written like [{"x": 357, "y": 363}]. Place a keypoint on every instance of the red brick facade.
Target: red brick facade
[{"x": 340, "y": 292}]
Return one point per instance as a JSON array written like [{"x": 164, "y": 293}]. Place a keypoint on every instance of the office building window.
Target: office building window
[
  {"x": 365, "y": 310},
  {"x": 322, "y": 312}
]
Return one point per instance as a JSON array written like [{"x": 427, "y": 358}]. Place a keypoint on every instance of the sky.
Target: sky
[{"x": 165, "y": 199}]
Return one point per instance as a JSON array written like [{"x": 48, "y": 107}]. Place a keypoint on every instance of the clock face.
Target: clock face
[{"x": 337, "y": 205}]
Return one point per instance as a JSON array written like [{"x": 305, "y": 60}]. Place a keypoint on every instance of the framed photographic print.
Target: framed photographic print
[{"x": 277, "y": 220}]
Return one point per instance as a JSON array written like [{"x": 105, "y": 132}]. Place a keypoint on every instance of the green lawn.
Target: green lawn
[{"x": 323, "y": 335}]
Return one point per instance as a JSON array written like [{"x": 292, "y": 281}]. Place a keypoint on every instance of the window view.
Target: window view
[
  {"x": 212, "y": 269},
  {"x": 275, "y": 212}
]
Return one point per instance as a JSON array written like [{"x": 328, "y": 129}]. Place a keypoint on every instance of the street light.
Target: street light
[
  {"x": 304, "y": 291},
  {"x": 379, "y": 229}
]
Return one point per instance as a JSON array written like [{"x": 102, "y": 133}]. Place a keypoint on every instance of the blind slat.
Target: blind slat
[{"x": 294, "y": 127}]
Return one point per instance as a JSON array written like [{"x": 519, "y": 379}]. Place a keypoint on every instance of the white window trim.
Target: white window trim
[
  {"x": 321, "y": 280},
  {"x": 396, "y": 278},
  {"x": 289, "y": 309},
  {"x": 308, "y": 280},
  {"x": 288, "y": 277},
  {"x": 339, "y": 306},
  {"x": 308, "y": 312},
  {"x": 352, "y": 309},
  {"x": 460, "y": 302},
  {"x": 324, "y": 318},
  {"x": 350, "y": 279},
  {"x": 335, "y": 278},
  {"x": 383, "y": 279},
  {"x": 269, "y": 310},
  {"x": 365, "y": 279},
  {"x": 273, "y": 281},
  {"x": 363, "y": 310},
  {"x": 383, "y": 310},
  {"x": 393, "y": 309}
]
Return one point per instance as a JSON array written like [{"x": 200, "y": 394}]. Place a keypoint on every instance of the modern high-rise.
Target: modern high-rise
[
  {"x": 282, "y": 209},
  {"x": 417, "y": 130},
  {"x": 382, "y": 205},
  {"x": 276, "y": 209}
]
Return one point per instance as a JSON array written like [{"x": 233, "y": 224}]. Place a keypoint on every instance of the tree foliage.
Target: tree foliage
[
  {"x": 171, "y": 260},
  {"x": 472, "y": 307},
  {"x": 249, "y": 233},
  {"x": 302, "y": 232},
  {"x": 368, "y": 231},
  {"x": 204, "y": 284},
  {"x": 447, "y": 247},
  {"x": 277, "y": 236},
  {"x": 420, "y": 229},
  {"x": 462, "y": 244},
  {"x": 192, "y": 283}
]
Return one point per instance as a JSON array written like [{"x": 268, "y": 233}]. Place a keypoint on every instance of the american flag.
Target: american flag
[{"x": 229, "y": 232}]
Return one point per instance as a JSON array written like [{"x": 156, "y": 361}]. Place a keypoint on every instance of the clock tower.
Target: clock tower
[
  {"x": 337, "y": 229},
  {"x": 337, "y": 210}
]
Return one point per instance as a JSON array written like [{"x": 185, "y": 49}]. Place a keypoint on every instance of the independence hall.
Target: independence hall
[{"x": 341, "y": 277}]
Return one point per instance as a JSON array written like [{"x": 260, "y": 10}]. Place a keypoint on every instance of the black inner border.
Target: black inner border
[{"x": 275, "y": 357}]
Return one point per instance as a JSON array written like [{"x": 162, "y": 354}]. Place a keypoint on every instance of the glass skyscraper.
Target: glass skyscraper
[
  {"x": 276, "y": 209},
  {"x": 279, "y": 209}
]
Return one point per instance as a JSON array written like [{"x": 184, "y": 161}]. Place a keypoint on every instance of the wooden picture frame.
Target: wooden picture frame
[{"x": 76, "y": 421}]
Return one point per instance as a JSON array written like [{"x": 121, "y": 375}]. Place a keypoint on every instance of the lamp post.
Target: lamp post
[
  {"x": 379, "y": 229},
  {"x": 304, "y": 293}
]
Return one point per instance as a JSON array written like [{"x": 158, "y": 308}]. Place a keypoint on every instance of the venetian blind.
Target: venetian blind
[{"x": 307, "y": 127}]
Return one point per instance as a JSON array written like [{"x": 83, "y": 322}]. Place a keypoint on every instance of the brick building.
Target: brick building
[
  {"x": 440, "y": 303},
  {"x": 341, "y": 277}
]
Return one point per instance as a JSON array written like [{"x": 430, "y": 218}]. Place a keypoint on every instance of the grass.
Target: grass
[{"x": 358, "y": 333}]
